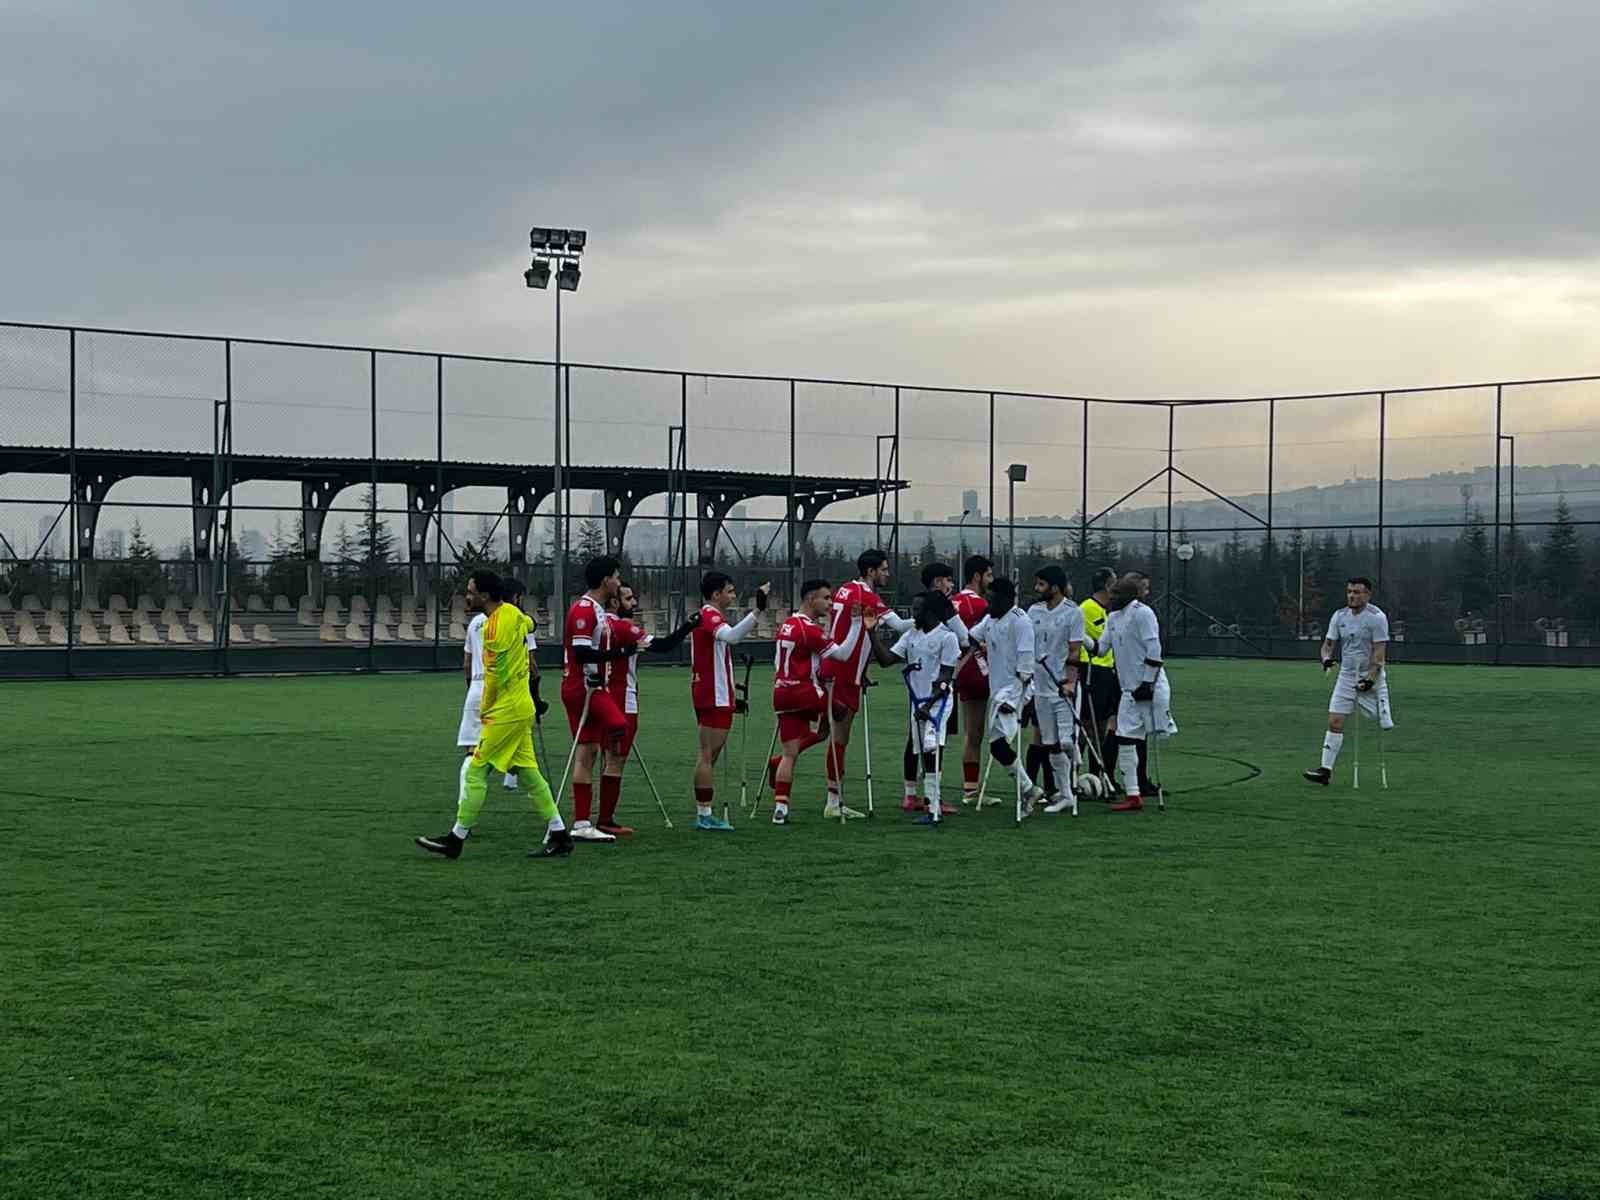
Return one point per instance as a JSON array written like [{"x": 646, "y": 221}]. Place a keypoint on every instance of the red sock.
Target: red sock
[
  {"x": 969, "y": 775},
  {"x": 702, "y": 797},
  {"x": 582, "y": 798},
  {"x": 780, "y": 791},
  {"x": 836, "y": 754},
  {"x": 610, "y": 791}
]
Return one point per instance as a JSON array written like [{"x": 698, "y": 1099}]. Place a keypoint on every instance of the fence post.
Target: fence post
[
  {"x": 372, "y": 517},
  {"x": 73, "y": 599}
]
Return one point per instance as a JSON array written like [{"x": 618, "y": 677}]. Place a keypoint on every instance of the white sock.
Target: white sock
[
  {"x": 555, "y": 824},
  {"x": 1128, "y": 762},
  {"x": 930, "y": 789},
  {"x": 911, "y": 789},
  {"x": 1331, "y": 745},
  {"x": 460, "y": 830},
  {"x": 511, "y": 781},
  {"x": 1062, "y": 766},
  {"x": 781, "y": 808},
  {"x": 702, "y": 810}
]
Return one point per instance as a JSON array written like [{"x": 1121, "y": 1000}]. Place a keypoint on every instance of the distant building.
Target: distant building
[
  {"x": 50, "y": 538},
  {"x": 113, "y": 544},
  {"x": 969, "y": 501}
]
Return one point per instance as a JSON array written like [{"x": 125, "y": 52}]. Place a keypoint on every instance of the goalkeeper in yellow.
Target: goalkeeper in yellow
[{"x": 506, "y": 743}]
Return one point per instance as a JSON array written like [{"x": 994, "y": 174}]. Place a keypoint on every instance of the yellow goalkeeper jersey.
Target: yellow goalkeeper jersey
[
  {"x": 1094, "y": 625},
  {"x": 505, "y": 664}
]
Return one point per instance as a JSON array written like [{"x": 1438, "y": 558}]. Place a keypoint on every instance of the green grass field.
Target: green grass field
[{"x": 227, "y": 972}]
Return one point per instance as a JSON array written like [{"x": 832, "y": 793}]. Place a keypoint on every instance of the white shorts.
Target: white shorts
[
  {"x": 1004, "y": 726},
  {"x": 471, "y": 726},
  {"x": 932, "y": 730},
  {"x": 1057, "y": 725},
  {"x": 1374, "y": 703},
  {"x": 1141, "y": 719}
]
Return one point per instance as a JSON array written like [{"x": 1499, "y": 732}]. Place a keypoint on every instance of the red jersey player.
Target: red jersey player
[
  {"x": 843, "y": 676},
  {"x": 594, "y": 717},
  {"x": 797, "y": 695},
  {"x": 972, "y": 676},
  {"x": 712, "y": 686},
  {"x": 622, "y": 685}
]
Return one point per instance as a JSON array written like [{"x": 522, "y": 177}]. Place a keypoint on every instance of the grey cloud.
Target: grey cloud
[{"x": 829, "y": 188}]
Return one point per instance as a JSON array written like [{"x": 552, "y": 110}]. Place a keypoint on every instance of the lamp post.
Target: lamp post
[
  {"x": 1185, "y": 551},
  {"x": 961, "y": 538},
  {"x": 557, "y": 249},
  {"x": 1016, "y": 473}
]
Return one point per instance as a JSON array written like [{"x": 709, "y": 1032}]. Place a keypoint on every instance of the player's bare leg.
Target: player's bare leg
[
  {"x": 1332, "y": 743},
  {"x": 712, "y": 743},
  {"x": 973, "y": 715},
  {"x": 838, "y": 746}
]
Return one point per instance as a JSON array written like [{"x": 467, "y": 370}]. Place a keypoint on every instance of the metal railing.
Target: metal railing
[{"x": 302, "y": 506}]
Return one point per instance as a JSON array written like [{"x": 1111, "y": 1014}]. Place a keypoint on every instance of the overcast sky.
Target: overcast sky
[{"x": 1150, "y": 199}]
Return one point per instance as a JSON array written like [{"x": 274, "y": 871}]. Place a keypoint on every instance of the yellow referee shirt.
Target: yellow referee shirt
[{"x": 1094, "y": 626}]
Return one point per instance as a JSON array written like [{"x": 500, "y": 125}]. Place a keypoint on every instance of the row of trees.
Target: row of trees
[{"x": 1268, "y": 583}]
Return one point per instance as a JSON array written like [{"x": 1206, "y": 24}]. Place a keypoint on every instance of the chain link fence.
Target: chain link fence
[{"x": 199, "y": 505}]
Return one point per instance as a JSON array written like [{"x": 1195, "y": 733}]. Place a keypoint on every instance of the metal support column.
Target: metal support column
[
  {"x": 788, "y": 517},
  {"x": 1383, "y": 437},
  {"x": 991, "y": 477},
  {"x": 1166, "y": 570},
  {"x": 435, "y": 591},
  {"x": 1499, "y": 575},
  {"x": 372, "y": 516},
  {"x": 74, "y": 559}
]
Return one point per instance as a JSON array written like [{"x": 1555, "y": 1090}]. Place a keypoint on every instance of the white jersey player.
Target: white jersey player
[
  {"x": 930, "y": 652},
  {"x": 1145, "y": 710},
  {"x": 1057, "y": 643},
  {"x": 1360, "y": 631},
  {"x": 472, "y": 667},
  {"x": 1006, "y": 635}
]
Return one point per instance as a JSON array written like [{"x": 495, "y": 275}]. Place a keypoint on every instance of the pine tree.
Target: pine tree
[
  {"x": 591, "y": 541},
  {"x": 1474, "y": 567},
  {"x": 346, "y": 558},
  {"x": 286, "y": 572},
  {"x": 1561, "y": 556}
]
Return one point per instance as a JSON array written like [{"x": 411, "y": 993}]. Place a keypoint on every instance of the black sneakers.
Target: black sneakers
[
  {"x": 558, "y": 844},
  {"x": 1318, "y": 775},
  {"x": 447, "y": 844}
]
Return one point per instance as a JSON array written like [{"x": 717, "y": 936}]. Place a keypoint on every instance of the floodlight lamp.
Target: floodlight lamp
[
  {"x": 576, "y": 239},
  {"x": 1017, "y": 472},
  {"x": 558, "y": 239},
  {"x": 538, "y": 238},
  {"x": 1184, "y": 551},
  {"x": 538, "y": 275},
  {"x": 567, "y": 277}
]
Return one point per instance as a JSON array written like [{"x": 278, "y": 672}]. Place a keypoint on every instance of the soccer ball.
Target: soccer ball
[{"x": 1090, "y": 787}]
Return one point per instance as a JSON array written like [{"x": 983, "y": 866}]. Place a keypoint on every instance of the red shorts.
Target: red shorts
[
  {"x": 797, "y": 718},
  {"x": 972, "y": 685},
  {"x": 605, "y": 720},
  {"x": 714, "y": 718},
  {"x": 633, "y": 732},
  {"x": 846, "y": 696}
]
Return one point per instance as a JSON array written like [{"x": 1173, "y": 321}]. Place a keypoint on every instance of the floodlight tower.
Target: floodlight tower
[{"x": 557, "y": 249}]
